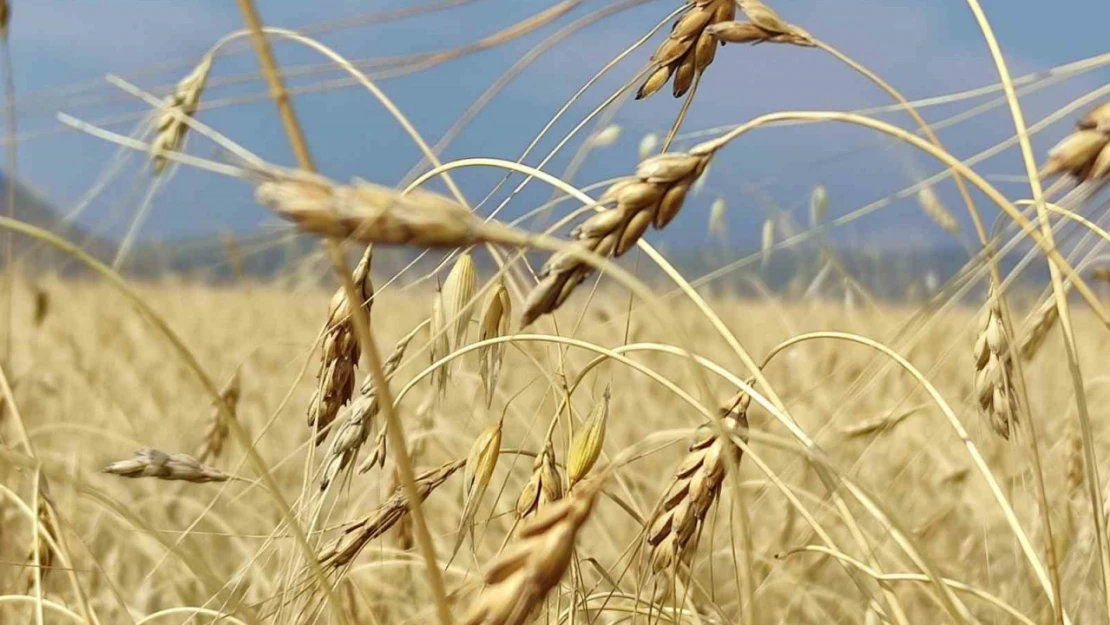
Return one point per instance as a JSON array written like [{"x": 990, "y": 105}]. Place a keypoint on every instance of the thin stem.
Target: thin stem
[
  {"x": 9, "y": 253},
  {"x": 361, "y": 325},
  {"x": 1060, "y": 292}
]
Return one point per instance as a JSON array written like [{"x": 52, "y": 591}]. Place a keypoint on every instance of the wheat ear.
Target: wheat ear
[{"x": 164, "y": 466}]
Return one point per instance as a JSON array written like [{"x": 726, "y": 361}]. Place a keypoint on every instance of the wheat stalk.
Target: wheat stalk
[
  {"x": 994, "y": 384},
  {"x": 519, "y": 579},
  {"x": 340, "y": 352},
  {"x": 218, "y": 428},
  {"x": 696, "y": 485},
  {"x": 347, "y": 546},
  {"x": 689, "y": 49},
  {"x": 171, "y": 126},
  {"x": 163, "y": 466},
  {"x": 651, "y": 198}
]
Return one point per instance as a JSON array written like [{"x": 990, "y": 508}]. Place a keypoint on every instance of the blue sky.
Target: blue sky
[{"x": 63, "y": 48}]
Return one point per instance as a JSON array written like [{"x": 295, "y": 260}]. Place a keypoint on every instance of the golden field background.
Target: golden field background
[{"x": 94, "y": 380}]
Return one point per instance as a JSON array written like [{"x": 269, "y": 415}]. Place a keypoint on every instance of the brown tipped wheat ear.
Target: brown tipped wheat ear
[
  {"x": 688, "y": 50},
  {"x": 370, "y": 213},
  {"x": 650, "y": 198},
  {"x": 354, "y": 538},
  {"x": 1084, "y": 154},
  {"x": 543, "y": 487},
  {"x": 163, "y": 466},
  {"x": 171, "y": 127},
  {"x": 994, "y": 384},
  {"x": 696, "y": 485},
  {"x": 496, "y": 316},
  {"x": 218, "y": 428},
  {"x": 340, "y": 352},
  {"x": 519, "y": 579},
  {"x": 765, "y": 27},
  {"x": 361, "y": 412}
]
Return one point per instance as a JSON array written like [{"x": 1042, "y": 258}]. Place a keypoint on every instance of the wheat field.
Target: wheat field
[{"x": 552, "y": 420}]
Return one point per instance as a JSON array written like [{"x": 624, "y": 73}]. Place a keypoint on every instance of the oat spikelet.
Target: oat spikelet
[
  {"x": 440, "y": 343},
  {"x": 370, "y": 213},
  {"x": 359, "y": 415},
  {"x": 354, "y": 538},
  {"x": 496, "y": 317},
  {"x": 689, "y": 49},
  {"x": 158, "y": 464},
  {"x": 340, "y": 352},
  {"x": 1037, "y": 329},
  {"x": 994, "y": 370},
  {"x": 765, "y": 26},
  {"x": 717, "y": 226},
  {"x": 696, "y": 485},
  {"x": 216, "y": 434},
  {"x": 480, "y": 463},
  {"x": 519, "y": 579},
  {"x": 458, "y": 293},
  {"x": 937, "y": 211},
  {"x": 767, "y": 241},
  {"x": 1084, "y": 154},
  {"x": 543, "y": 487},
  {"x": 650, "y": 198},
  {"x": 585, "y": 449},
  {"x": 648, "y": 145},
  {"x": 170, "y": 127}
]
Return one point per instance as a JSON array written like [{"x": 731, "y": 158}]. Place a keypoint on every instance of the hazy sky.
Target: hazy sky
[{"x": 63, "y": 48}]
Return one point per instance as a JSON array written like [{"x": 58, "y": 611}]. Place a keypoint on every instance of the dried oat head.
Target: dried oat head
[
  {"x": 520, "y": 578},
  {"x": 585, "y": 449},
  {"x": 340, "y": 352},
  {"x": 171, "y": 127},
  {"x": 358, "y": 535},
  {"x": 650, "y": 198},
  {"x": 160, "y": 465},
  {"x": 480, "y": 463},
  {"x": 543, "y": 487},
  {"x": 1084, "y": 154},
  {"x": 994, "y": 385},
  {"x": 458, "y": 293},
  {"x": 497, "y": 314},
  {"x": 689, "y": 49},
  {"x": 696, "y": 485}
]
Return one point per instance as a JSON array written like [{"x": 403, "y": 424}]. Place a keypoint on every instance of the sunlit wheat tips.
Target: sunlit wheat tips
[
  {"x": 544, "y": 485},
  {"x": 480, "y": 463},
  {"x": 586, "y": 446},
  {"x": 764, "y": 26},
  {"x": 518, "y": 580},
  {"x": 1085, "y": 153},
  {"x": 216, "y": 434},
  {"x": 696, "y": 484},
  {"x": 650, "y": 198},
  {"x": 171, "y": 128},
  {"x": 163, "y": 466},
  {"x": 496, "y": 317},
  {"x": 370, "y": 213},
  {"x": 688, "y": 50},
  {"x": 994, "y": 383},
  {"x": 348, "y": 545},
  {"x": 339, "y": 354},
  {"x": 458, "y": 295}
]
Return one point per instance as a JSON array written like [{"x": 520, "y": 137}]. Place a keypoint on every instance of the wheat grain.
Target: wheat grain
[
  {"x": 171, "y": 126},
  {"x": 347, "y": 546},
  {"x": 651, "y": 198},
  {"x": 496, "y": 316},
  {"x": 218, "y": 427},
  {"x": 585, "y": 449},
  {"x": 696, "y": 485},
  {"x": 994, "y": 385},
  {"x": 1084, "y": 154},
  {"x": 765, "y": 26},
  {"x": 340, "y": 352},
  {"x": 688, "y": 50},
  {"x": 163, "y": 466},
  {"x": 519, "y": 579}
]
